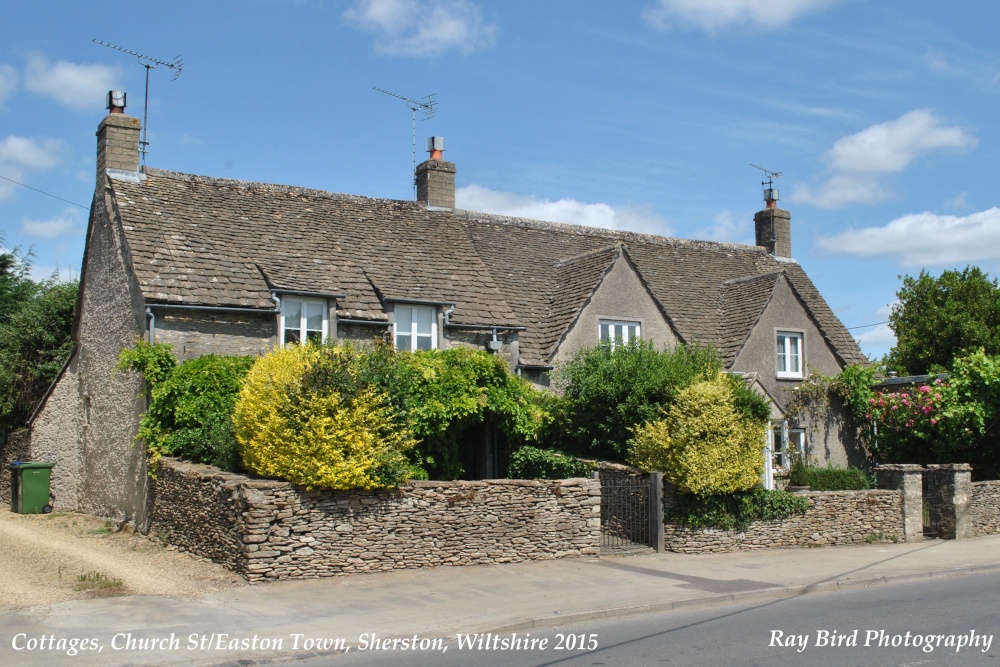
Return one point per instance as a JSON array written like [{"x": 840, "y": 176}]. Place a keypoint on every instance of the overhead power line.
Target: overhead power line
[{"x": 47, "y": 194}]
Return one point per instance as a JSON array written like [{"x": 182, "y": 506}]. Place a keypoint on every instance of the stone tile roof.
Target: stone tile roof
[
  {"x": 743, "y": 302},
  {"x": 217, "y": 242}
]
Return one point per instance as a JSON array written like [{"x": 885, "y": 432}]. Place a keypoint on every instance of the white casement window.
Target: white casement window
[
  {"x": 619, "y": 332},
  {"x": 415, "y": 328},
  {"x": 789, "y": 359},
  {"x": 303, "y": 320}
]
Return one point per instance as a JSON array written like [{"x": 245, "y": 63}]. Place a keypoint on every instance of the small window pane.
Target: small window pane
[
  {"x": 314, "y": 317},
  {"x": 424, "y": 343},
  {"x": 404, "y": 318},
  {"x": 293, "y": 313},
  {"x": 314, "y": 336},
  {"x": 605, "y": 331},
  {"x": 424, "y": 318},
  {"x": 292, "y": 336},
  {"x": 403, "y": 342}
]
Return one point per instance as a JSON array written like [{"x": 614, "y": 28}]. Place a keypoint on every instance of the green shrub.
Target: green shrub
[
  {"x": 836, "y": 479},
  {"x": 444, "y": 393},
  {"x": 703, "y": 445},
  {"x": 310, "y": 415},
  {"x": 735, "y": 511},
  {"x": 533, "y": 463},
  {"x": 190, "y": 413},
  {"x": 154, "y": 362},
  {"x": 607, "y": 393}
]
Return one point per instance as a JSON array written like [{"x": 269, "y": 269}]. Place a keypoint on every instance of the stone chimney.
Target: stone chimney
[
  {"x": 117, "y": 138},
  {"x": 773, "y": 226},
  {"x": 436, "y": 177}
]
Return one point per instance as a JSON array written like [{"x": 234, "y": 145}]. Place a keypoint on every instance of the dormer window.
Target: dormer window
[
  {"x": 789, "y": 362},
  {"x": 415, "y": 328},
  {"x": 619, "y": 332},
  {"x": 303, "y": 320}
]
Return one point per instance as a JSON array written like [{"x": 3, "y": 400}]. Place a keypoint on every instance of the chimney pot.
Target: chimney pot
[
  {"x": 116, "y": 101},
  {"x": 435, "y": 146}
]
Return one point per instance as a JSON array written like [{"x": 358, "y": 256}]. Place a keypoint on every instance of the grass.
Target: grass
[
  {"x": 99, "y": 584},
  {"x": 106, "y": 529}
]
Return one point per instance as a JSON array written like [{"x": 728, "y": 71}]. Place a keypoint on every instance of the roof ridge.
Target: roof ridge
[
  {"x": 622, "y": 235},
  {"x": 274, "y": 187}
]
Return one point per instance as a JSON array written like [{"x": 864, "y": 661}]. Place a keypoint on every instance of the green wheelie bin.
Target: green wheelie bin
[{"x": 29, "y": 487}]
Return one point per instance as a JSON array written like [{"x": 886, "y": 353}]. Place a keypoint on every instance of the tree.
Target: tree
[
  {"x": 938, "y": 319},
  {"x": 34, "y": 342}
]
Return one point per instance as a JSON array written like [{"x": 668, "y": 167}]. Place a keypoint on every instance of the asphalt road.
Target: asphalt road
[{"x": 864, "y": 627}]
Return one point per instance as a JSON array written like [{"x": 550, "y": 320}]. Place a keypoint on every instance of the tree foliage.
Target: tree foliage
[
  {"x": 36, "y": 320},
  {"x": 703, "y": 444},
  {"x": 533, "y": 463},
  {"x": 940, "y": 318}
]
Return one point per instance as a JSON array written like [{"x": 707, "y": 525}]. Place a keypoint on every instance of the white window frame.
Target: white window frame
[
  {"x": 287, "y": 324},
  {"x": 782, "y": 338},
  {"x": 413, "y": 333},
  {"x": 618, "y": 330}
]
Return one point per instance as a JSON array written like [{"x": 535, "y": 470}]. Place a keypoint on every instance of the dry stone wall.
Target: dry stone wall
[
  {"x": 275, "y": 530},
  {"x": 985, "y": 507},
  {"x": 833, "y": 517},
  {"x": 17, "y": 448}
]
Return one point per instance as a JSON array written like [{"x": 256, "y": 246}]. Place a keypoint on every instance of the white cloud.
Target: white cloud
[
  {"x": 52, "y": 228},
  {"x": 925, "y": 239},
  {"x": 712, "y": 15},
  {"x": 629, "y": 217},
  {"x": 876, "y": 340},
  {"x": 8, "y": 82},
  {"x": 858, "y": 161},
  {"x": 727, "y": 228},
  {"x": 70, "y": 84},
  {"x": 423, "y": 27},
  {"x": 19, "y": 155},
  {"x": 959, "y": 202}
]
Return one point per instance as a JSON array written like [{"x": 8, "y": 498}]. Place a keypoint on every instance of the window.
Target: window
[
  {"x": 619, "y": 332},
  {"x": 415, "y": 328},
  {"x": 789, "y": 348},
  {"x": 786, "y": 442},
  {"x": 303, "y": 321}
]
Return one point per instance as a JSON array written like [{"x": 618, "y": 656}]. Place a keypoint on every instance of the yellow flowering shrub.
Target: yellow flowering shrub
[
  {"x": 292, "y": 422},
  {"x": 703, "y": 445}
]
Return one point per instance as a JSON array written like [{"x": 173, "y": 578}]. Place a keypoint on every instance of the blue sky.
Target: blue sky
[{"x": 640, "y": 115}]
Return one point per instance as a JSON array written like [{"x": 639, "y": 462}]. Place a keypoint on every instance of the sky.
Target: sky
[{"x": 644, "y": 115}]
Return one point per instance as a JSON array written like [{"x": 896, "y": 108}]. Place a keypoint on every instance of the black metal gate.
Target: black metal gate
[{"x": 624, "y": 511}]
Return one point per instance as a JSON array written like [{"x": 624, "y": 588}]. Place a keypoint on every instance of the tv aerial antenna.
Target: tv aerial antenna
[
  {"x": 428, "y": 106},
  {"x": 771, "y": 175},
  {"x": 149, "y": 63}
]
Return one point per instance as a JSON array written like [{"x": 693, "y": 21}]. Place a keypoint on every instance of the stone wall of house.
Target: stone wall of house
[
  {"x": 985, "y": 507},
  {"x": 17, "y": 448},
  {"x": 276, "y": 530},
  {"x": 833, "y": 517},
  {"x": 57, "y": 432},
  {"x": 194, "y": 333}
]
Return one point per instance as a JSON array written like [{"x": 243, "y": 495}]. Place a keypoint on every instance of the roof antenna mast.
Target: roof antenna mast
[
  {"x": 149, "y": 63},
  {"x": 770, "y": 192},
  {"x": 429, "y": 107}
]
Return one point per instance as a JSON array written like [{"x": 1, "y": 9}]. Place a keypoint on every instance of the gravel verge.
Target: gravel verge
[{"x": 49, "y": 558}]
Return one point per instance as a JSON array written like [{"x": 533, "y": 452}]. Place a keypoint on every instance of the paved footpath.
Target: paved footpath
[{"x": 249, "y": 623}]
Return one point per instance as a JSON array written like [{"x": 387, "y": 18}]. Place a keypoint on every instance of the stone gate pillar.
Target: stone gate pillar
[
  {"x": 907, "y": 478},
  {"x": 949, "y": 492}
]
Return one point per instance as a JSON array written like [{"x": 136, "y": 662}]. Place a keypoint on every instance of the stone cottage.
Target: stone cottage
[{"x": 232, "y": 267}]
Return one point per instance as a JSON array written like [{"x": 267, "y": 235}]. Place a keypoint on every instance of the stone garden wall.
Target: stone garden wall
[
  {"x": 275, "y": 530},
  {"x": 833, "y": 517},
  {"x": 17, "y": 448},
  {"x": 985, "y": 507}
]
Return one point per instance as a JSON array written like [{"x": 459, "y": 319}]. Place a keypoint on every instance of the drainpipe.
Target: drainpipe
[{"x": 152, "y": 325}]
